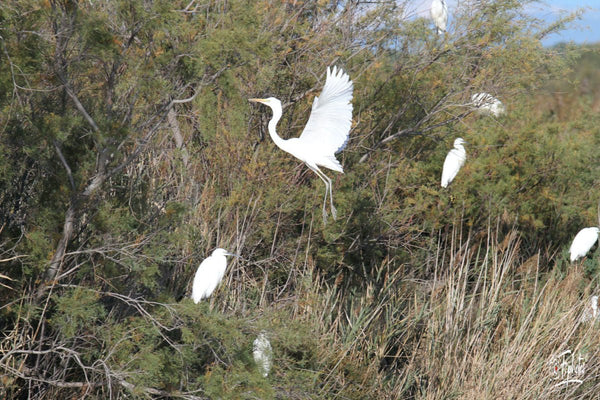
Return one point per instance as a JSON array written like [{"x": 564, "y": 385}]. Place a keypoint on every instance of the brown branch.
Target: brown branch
[
  {"x": 415, "y": 129},
  {"x": 121, "y": 381},
  {"x": 101, "y": 173}
]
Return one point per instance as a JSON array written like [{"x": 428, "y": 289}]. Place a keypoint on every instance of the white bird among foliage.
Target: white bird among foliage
[
  {"x": 263, "y": 353},
  {"x": 488, "y": 104},
  {"x": 439, "y": 15},
  {"x": 209, "y": 274},
  {"x": 583, "y": 242},
  {"x": 591, "y": 314},
  {"x": 454, "y": 160},
  {"x": 326, "y": 132}
]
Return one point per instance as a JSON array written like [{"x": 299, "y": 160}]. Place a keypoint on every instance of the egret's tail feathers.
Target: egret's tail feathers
[
  {"x": 332, "y": 163},
  {"x": 197, "y": 297}
]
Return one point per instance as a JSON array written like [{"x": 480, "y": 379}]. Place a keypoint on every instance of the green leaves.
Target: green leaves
[
  {"x": 76, "y": 310},
  {"x": 352, "y": 306}
]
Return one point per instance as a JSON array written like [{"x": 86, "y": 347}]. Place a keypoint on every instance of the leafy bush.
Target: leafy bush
[{"x": 128, "y": 151}]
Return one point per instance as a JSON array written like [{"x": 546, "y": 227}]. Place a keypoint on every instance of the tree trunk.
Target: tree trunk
[{"x": 61, "y": 248}]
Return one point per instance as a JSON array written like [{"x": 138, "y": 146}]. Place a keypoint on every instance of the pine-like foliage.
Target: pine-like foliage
[{"x": 128, "y": 151}]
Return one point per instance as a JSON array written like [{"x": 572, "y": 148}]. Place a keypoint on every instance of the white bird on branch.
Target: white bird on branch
[
  {"x": 439, "y": 15},
  {"x": 583, "y": 242},
  {"x": 209, "y": 274},
  {"x": 485, "y": 103},
  {"x": 326, "y": 132},
  {"x": 454, "y": 160}
]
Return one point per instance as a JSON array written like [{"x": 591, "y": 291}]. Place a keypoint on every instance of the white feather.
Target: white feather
[
  {"x": 325, "y": 133},
  {"x": 439, "y": 15},
  {"x": 209, "y": 274},
  {"x": 328, "y": 126},
  {"x": 454, "y": 161},
  {"x": 488, "y": 104},
  {"x": 583, "y": 242}
]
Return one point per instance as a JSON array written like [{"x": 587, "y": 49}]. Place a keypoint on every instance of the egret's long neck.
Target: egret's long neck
[{"x": 272, "y": 124}]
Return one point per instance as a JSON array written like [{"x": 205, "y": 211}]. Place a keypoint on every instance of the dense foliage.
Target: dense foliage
[{"x": 129, "y": 150}]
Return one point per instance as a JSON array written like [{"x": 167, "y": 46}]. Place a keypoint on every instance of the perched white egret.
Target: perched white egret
[
  {"x": 487, "y": 104},
  {"x": 583, "y": 242},
  {"x": 591, "y": 314},
  {"x": 263, "y": 353},
  {"x": 209, "y": 274},
  {"x": 439, "y": 15},
  {"x": 454, "y": 160},
  {"x": 326, "y": 132}
]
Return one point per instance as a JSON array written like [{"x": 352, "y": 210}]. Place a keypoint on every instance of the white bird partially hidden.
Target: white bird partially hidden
[
  {"x": 326, "y": 132},
  {"x": 583, "y": 242},
  {"x": 209, "y": 274},
  {"x": 439, "y": 15},
  {"x": 263, "y": 353},
  {"x": 485, "y": 103},
  {"x": 591, "y": 314},
  {"x": 454, "y": 160}
]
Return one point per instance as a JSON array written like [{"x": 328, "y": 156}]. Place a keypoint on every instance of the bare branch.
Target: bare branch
[
  {"x": 78, "y": 104},
  {"x": 181, "y": 101},
  {"x": 415, "y": 129},
  {"x": 64, "y": 162},
  {"x": 172, "y": 118}
]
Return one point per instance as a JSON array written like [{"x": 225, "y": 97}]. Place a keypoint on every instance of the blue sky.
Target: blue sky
[{"x": 586, "y": 30}]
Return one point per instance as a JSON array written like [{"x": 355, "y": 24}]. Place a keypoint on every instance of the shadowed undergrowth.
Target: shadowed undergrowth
[{"x": 483, "y": 322}]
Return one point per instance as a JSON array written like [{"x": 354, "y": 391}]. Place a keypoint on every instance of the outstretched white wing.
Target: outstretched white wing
[{"x": 328, "y": 126}]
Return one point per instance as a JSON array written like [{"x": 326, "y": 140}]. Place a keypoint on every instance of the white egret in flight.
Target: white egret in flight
[
  {"x": 262, "y": 353},
  {"x": 583, "y": 242},
  {"x": 591, "y": 314},
  {"x": 454, "y": 160},
  {"x": 439, "y": 15},
  {"x": 209, "y": 274},
  {"x": 326, "y": 132},
  {"x": 487, "y": 104}
]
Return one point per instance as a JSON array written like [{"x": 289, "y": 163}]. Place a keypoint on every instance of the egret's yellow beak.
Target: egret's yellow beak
[{"x": 257, "y": 100}]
